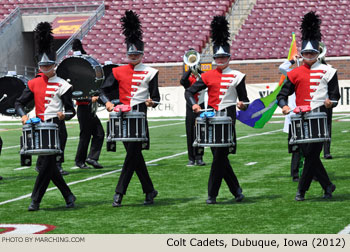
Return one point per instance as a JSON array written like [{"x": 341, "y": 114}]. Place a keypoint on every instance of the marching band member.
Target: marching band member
[
  {"x": 50, "y": 94},
  {"x": 224, "y": 87},
  {"x": 90, "y": 125},
  {"x": 138, "y": 81},
  {"x": 297, "y": 156},
  {"x": 329, "y": 112},
  {"x": 318, "y": 82},
  {"x": 194, "y": 156}
]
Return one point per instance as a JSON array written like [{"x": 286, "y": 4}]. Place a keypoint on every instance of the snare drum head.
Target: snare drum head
[
  {"x": 13, "y": 87},
  {"x": 84, "y": 73}
]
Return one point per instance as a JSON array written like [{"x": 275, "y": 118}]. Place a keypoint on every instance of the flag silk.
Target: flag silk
[{"x": 261, "y": 110}]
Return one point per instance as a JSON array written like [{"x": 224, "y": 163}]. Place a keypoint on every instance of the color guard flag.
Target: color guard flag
[{"x": 261, "y": 110}]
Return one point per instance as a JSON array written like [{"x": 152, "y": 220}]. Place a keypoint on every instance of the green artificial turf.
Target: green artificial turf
[{"x": 268, "y": 207}]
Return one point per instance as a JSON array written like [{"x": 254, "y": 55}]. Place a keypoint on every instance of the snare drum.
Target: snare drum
[
  {"x": 40, "y": 139},
  {"x": 84, "y": 73},
  {"x": 309, "y": 128},
  {"x": 127, "y": 127},
  {"x": 214, "y": 132}
]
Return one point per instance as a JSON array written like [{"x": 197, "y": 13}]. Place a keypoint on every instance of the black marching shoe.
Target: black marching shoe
[
  {"x": 0, "y": 178},
  {"x": 328, "y": 156},
  {"x": 328, "y": 192},
  {"x": 190, "y": 163},
  {"x": 70, "y": 201},
  {"x": 200, "y": 162},
  {"x": 59, "y": 167},
  {"x": 34, "y": 206},
  {"x": 149, "y": 197},
  {"x": 211, "y": 200},
  {"x": 239, "y": 195},
  {"x": 295, "y": 179},
  {"x": 81, "y": 165},
  {"x": 117, "y": 200},
  {"x": 94, "y": 163},
  {"x": 300, "y": 196}
]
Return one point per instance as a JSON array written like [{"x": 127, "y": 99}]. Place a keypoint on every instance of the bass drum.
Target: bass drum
[
  {"x": 84, "y": 73},
  {"x": 107, "y": 69},
  {"x": 11, "y": 87}
]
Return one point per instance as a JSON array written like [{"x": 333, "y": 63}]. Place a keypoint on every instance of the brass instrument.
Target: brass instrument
[
  {"x": 192, "y": 58},
  {"x": 323, "y": 50}
]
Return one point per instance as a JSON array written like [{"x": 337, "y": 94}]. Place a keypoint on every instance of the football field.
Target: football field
[{"x": 262, "y": 165}]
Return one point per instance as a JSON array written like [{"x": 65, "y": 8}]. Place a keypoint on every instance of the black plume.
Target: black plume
[
  {"x": 220, "y": 31},
  {"x": 43, "y": 37},
  {"x": 78, "y": 46},
  {"x": 310, "y": 27},
  {"x": 131, "y": 26}
]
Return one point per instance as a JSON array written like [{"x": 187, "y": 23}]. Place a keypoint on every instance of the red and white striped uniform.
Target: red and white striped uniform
[
  {"x": 47, "y": 93},
  {"x": 222, "y": 87},
  {"x": 311, "y": 83},
  {"x": 133, "y": 82}
]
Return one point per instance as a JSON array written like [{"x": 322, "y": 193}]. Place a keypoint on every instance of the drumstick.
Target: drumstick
[
  {"x": 319, "y": 100},
  {"x": 66, "y": 113},
  {"x": 233, "y": 103},
  {"x": 138, "y": 99},
  {"x": 3, "y": 97}
]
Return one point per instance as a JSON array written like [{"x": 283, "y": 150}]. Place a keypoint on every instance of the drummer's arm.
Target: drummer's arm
[
  {"x": 191, "y": 91},
  {"x": 242, "y": 95},
  {"x": 154, "y": 91},
  {"x": 184, "y": 79},
  {"x": 27, "y": 96},
  {"x": 333, "y": 91},
  {"x": 282, "y": 97},
  {"x": 109, "y": 83},
  {"x": 68, "y": 104}
]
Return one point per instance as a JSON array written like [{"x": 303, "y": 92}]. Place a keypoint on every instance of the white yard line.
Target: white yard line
[
  {"x": 22, "y": 168},
  {"x": 111, "y": 172},
  {"x": 251, "y": 163},
  {"x": 346, "y": 230}
]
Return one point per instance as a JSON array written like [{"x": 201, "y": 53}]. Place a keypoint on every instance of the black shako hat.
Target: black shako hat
[
  {"x": 45, "y": 53},
  {"x": 132, "y": 31},
  {"x": 311, "y": 33},
  {"x": 77, "y": 46},
  {"x": 220, "y": 36}
]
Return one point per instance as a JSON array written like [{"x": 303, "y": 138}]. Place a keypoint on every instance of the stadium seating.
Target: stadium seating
[
  {"x": 171, "y": 27},
  {"x": 164, "y": 21},
  {"x": 272, "y": 22}
]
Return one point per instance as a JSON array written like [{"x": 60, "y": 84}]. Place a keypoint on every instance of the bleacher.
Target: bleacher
[
  {"x": 170, "y": 28},
  {"x": 266, "y": 33}
]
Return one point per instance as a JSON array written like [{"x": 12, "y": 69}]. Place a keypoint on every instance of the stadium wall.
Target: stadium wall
[{"x": 257, "y": 71}]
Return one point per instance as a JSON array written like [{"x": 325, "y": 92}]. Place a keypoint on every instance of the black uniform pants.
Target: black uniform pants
[
  {"x": 313, "y": 167},
  {"x": 327, "y": 144},
  {"x": 191, "y": 135},
  {"x": 221, "y": 169},
  {"x": 295, "y": 162},
  {"x": 90, "y": 125},
  {"x": 48, "y": 171},
  {"x": 134, "y": 161}
]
